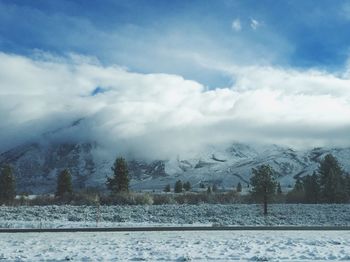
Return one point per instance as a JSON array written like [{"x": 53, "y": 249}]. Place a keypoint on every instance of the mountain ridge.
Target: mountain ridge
[{"x": 36, "y": 165}]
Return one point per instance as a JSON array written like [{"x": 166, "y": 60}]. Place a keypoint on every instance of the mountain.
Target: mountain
[{"x": 36, "y": 165}]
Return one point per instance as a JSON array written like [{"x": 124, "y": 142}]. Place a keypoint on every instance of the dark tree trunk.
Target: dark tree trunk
[{"x": 265, "y": 205}]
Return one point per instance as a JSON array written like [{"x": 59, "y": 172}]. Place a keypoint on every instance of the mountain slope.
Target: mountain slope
[{"x": 36, "y": 165}]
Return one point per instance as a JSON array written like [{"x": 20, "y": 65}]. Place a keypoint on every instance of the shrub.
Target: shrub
[{"x": 127, "y": 199}]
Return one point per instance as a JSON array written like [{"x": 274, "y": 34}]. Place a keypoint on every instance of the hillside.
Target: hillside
[{"x": 36, "y": 165}]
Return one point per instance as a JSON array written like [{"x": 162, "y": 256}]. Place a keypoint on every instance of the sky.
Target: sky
[{"x": 174, "y": 76}]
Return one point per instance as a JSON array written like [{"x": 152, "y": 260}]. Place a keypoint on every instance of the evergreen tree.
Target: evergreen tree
[
  {"x": 347, "y": 182},
  {"x": 119, "y": 182},
  {"x": 178, "y": 187},
  {"x": 297, "y": 195},
  {"x": 187, "y": 186},
  {"x": 64, "y": 184},
  {"x": 215, "y": 188},
  {"x": 167, "y": 188},
  {"x": 263, "y": 184},
  {"x": 239, "y": 187},
  {"x": 279, "y": 189},
  {"x": 298, "y": 187},
  {"x": 311, "y": 188},
  {"x": 7, "y": 185},
  {"x": 332, "y": 181},
  {"x": 209, "y": 191}
]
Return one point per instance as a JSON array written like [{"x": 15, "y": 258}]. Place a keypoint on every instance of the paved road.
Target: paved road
[{"x": 177, "y": 228}]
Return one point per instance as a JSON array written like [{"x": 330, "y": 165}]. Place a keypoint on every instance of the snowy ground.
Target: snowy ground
[
  {"x": 177, "y": 246},
  {"x": 109, "y": 216}
]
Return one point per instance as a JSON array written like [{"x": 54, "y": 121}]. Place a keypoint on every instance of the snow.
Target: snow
[
  {"x": 36, "y": 165},
  {"x": 174, "y": 246},
  {"x": 177, "y": 246},
  {"x": 205, "y": 214}
]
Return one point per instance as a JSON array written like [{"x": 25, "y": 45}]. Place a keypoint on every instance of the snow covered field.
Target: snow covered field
[
  {"x": 85, "y": 216},
  {"x": 177, "y": 246}
]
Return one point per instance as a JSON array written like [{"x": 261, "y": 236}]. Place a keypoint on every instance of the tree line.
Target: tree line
[{"x": 329, "y": 184}]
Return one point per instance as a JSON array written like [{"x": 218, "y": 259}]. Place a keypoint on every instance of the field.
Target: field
[
  {"x": 108, "y": 216},
  {"x": 178, "y": 245}
]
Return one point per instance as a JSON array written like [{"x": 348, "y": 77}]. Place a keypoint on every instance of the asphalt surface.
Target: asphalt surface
[{"x": 177, "y": 228}]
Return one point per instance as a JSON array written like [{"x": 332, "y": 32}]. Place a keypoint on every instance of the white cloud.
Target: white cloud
[
  {"x": 236, "y": 25},
  {"x": 254, "y": 24},
  {"x": 159, "y": 115}
]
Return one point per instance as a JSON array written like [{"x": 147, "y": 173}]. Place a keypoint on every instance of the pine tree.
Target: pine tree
[
  {"x": 312, "y": 189},
  {"x": 298, "y": 187},
  {"x": 239, "y": 187},
  {"x": 119, "y": 182},
  {"x": 332, "y": 181},
  {"x": 178, "y": 187},
  {"x": 187, "y": 186},
  {"x": 167, "y": 188},
  {"x": 263, "y": 183},
  {"x": 347, "y": 182},
  {"x": 297, "y": 195},
  {"x": 215, "y": 188},
  {"x": 279, "y": 189},
  {"x": 7, "y": 185},
  {"x": 64, "y": 184},
  {"x": 209, "y": 190}
]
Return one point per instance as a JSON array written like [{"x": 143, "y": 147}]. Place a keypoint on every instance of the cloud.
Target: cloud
[
  {"x": 254, "y": 24},
  {"x": 162, "y": 115},
  {"x": 236, "y": 25},
  {"x": 173, "y": 44}
]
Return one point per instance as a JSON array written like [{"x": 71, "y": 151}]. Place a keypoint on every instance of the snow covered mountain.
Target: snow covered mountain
[{"x": 36, "y": 165}]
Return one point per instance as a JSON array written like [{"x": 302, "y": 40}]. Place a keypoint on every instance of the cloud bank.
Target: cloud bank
[{"x": 162, "y": 115}]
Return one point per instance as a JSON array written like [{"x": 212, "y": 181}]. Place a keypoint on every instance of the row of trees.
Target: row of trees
[
  {"x": 8, "y": 185},
  {"x": 329, "y": 185},
  {"x": 179, "y": 187}
]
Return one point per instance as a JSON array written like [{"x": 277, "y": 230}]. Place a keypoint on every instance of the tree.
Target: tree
[
  {"x": 178, "y": 187},
  {"x": 279, "y": 189},
  {"x": 64, "y": 184},
  {"x": 297, "y": 195},
  {"x": 119, "y": 182},
  {"x": 187, "y": 186},
  {"x": 209, "y": 190},
  {"x": 347, "y": 179},
  {"x": 7, "y": 185},
  {"x": 239, "y": 187},
  {"x": 312, "y": 188},
  {"x": 215, "y": 188},
  {"x": 332, "y": 181},
  {"x": 263, "y": 184},
  {"x": 298, "y": 187},
  {"x": 167, "y": 188}
]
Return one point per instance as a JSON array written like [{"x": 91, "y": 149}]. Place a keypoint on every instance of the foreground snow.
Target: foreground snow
[
  {"x": 111, "y": 216},
  {"x": 177, "y": 246}
]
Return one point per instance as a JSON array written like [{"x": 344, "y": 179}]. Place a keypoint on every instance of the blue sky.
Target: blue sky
[{"x": 182, "y": 37}]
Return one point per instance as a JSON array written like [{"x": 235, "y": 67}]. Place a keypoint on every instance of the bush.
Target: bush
[
  {"x": 163, "y": 199},
  {"x": 167, "y": 188},
  {"x": 43, "y": 200},
  {"x": 127, "y": 199},
  {"x": 295, "y": 197}
]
